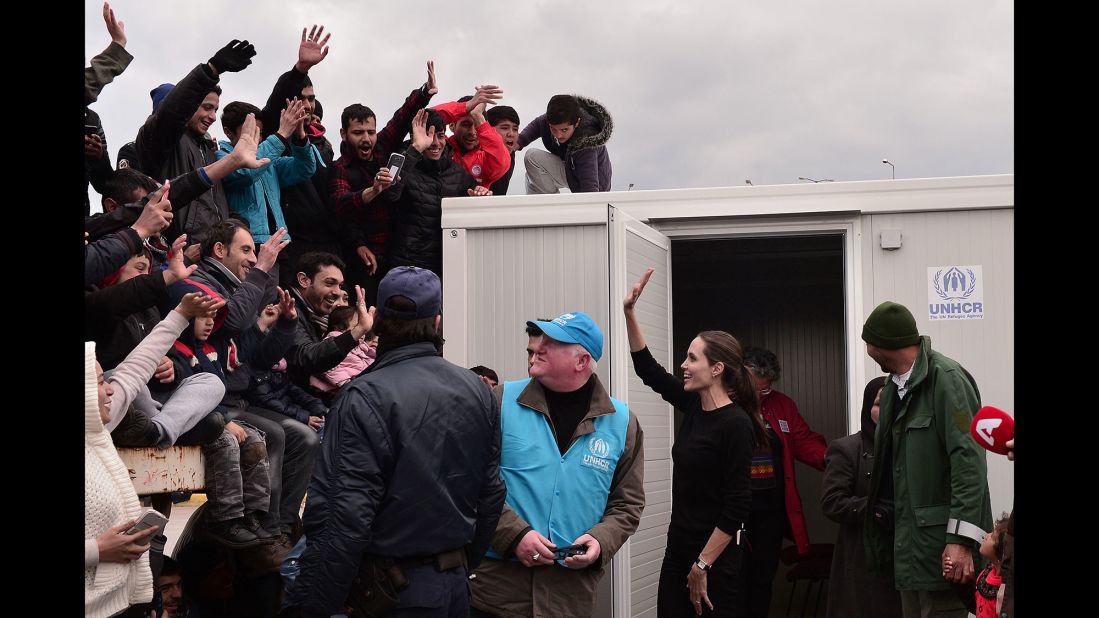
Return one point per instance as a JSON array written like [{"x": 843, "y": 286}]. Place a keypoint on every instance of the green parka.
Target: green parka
[{"x": 940, "y": 484}]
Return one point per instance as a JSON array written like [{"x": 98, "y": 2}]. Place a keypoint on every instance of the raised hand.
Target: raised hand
[
  {"x": 478, "y": 113},
  {"x": 432, "y": 86},
  {"x": 365, "y": 316},
  {"x": 269, "y": 251},
  {"x": 244, "y": 151},
  {"x": 422, "y": 135},
  {"x": 176, "y": 270},
  {"x": 635, "y": 292},
  {"x": 312, "y": 48},
  {"x": 234, "y": 57},
  {"x": 291, "y": 118},
  {"x": 485, "y": 93},
  {"x": 116, "y": 28},
  {"x": 286, "y": 305},
  {"x": 195, "y": 305},
  {"x": 157, "y": 214}
]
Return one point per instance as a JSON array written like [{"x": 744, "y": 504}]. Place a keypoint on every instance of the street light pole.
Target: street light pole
[{"x": 886, "y": 161}]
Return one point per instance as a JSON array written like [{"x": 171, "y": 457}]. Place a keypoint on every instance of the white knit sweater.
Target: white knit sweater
[{"x": 109, "y": 500}]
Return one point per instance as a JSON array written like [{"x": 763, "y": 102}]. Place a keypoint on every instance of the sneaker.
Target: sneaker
[
  {"x": 252, "y": 523},
  {"x": 232, "y": 533}
]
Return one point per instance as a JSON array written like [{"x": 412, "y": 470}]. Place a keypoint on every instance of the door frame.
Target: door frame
[{"x": 849, "y": 226}]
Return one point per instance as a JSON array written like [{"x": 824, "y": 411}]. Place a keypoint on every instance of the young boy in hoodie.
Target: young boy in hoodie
[
  {"x": 238, "y": 485},
  {"x": 575, "y": 131}
]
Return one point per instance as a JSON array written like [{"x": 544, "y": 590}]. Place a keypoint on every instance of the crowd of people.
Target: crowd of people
[{"x": 280, "y": 308}]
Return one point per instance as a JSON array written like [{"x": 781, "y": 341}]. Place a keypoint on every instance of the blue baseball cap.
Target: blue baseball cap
[
  {"x": 419, "y": 285},
  {"x": 574, "y": 327}
]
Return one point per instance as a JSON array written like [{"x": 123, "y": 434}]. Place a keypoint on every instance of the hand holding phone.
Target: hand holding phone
[
  {"x": 150, "y": 519},
  {"x": 569, "y": 550},
  {"x": 396, "y": 162}
]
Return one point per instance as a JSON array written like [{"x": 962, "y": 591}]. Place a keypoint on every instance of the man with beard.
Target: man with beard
[
  {"x": 929, "y": 506},
  {"x": 474, "y": 143},
  {"x": 356, "y": 179},
  {"x": 305, "y": 205},
  {"x": 319, "y": 277},
  {"x": 429, "y": 175}
]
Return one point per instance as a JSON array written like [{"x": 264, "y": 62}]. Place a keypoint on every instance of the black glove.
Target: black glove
[{"x": 233, "y": 57}]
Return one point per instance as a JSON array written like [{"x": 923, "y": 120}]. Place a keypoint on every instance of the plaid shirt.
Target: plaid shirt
[{"x": 370, "y": 223}]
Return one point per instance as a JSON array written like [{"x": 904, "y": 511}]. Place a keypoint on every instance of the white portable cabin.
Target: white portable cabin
[{"x": 792, "y": 268}]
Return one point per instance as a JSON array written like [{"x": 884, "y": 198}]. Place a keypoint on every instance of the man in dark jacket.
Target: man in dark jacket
[
  {"x": 357, "y": 177},
  {"x": 105, "y": 66},
  {"x": 174, "y": 139},
  {"x": 410, "y": 471},
  {"x": 430, "y": 173},
  {"x": 320, "y": 276},
  {"x": 574, "y": 131},
  {"x": 309, "y": 217},
  {"x": 230, "y": 270}
]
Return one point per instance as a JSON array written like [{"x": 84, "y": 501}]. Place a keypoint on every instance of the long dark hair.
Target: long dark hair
[{"x": 721, "y": 347}]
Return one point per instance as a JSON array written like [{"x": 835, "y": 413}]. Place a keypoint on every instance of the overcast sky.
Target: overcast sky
[{"x": 703, "y": 94}]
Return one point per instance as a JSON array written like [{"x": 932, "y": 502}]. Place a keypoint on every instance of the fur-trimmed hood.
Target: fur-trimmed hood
[{"x": 596, "y": 125}]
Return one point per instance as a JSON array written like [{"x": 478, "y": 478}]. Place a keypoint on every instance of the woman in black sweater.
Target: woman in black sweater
[{"x": 712, "y": 468}]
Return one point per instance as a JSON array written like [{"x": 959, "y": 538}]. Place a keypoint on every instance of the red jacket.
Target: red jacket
[
  {"x": 490, "y": 161},
  {"x": 798, "y": 440}
]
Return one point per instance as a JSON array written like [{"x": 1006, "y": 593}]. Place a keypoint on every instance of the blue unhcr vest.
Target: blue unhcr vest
[{"x": 560, "y": 496}]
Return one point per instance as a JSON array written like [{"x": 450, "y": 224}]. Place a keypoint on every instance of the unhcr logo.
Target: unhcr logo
[
  {"x": 598, "y": 450},
  {"x": 955, "y": 293},
  {"x": 599, "y": 447}
]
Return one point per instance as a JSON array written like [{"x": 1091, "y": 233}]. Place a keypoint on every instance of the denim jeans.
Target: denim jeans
[
  {"x": 302, "y": 447},
  {"x": 237, "y": 477}
]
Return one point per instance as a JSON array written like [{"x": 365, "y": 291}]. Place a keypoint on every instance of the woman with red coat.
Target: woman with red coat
[{"x": 776, "y": 506}]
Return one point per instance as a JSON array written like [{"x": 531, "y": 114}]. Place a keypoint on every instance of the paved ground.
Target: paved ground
[{"x": 180, "y": 514}]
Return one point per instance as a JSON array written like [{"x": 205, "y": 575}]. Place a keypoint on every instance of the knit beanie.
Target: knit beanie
[
  {"x": 891, "y": 327},
  {"x": 158, "y": 94}
]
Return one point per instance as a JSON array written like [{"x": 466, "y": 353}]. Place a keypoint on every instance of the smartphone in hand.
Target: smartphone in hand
[
  {"x": 569, "y": 550},
  {"x": 150, "y": 519},
  {"x": 396, "y": 162}
]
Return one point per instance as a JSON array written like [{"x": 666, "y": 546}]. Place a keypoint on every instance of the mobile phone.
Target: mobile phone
[
  {"x": 150, "y": 519},
  {"x": 570, "y": 550},
  {"x": 396, "y": 162},
  {"x": 91, "y": 129}
]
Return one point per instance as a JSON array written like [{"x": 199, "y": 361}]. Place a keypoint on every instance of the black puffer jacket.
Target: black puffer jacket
[
  {"x": 417, "y": 236},
  {"x": 410, "y": 467}
]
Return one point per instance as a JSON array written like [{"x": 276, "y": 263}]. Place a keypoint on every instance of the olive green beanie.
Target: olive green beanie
[{"x": 890, "y": 326}]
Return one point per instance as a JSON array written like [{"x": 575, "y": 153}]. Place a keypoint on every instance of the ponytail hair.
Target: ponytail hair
[{"x": 721, "y": 347}]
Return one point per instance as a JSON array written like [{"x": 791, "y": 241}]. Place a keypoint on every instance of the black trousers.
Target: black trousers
[
  {"x": 765, "y": 529},
  {"x": 433, "y": 594},
  {"x": 724, "y": 585}
]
